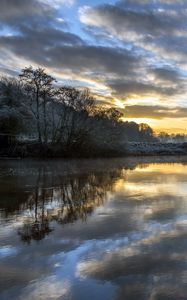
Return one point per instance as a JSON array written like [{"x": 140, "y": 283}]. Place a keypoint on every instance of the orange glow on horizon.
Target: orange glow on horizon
[{"x": 164, "y": 125}]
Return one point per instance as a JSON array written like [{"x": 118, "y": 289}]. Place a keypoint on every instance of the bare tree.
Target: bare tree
[
  {"x": 74, "y": 107},
  {"x": 39, "y": 86}
]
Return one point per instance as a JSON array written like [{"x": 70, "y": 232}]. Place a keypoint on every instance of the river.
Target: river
[{"x": 100, "y": 229}]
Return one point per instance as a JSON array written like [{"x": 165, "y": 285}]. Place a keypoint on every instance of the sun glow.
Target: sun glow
[
  {"x": 149, "y": 121},
  {"x": 169, "y": 125}
]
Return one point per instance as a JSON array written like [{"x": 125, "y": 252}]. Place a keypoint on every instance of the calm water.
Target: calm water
[{"x": 110, "y": 229}]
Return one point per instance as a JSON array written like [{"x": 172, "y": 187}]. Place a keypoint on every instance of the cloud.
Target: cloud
[
  {"x": 48, "y": 286},
  {"x": 12, "y": 10},
  {"x": 58, "y": 3},
  {"x": 157, "y": 30},
  {"x": 125, "y": 89},
  {"x": 131, "y": 49},
  {"x": 154, "y": 112},
  {"x": 17, "y": 13},
  {"x": 125, "y": 22},
  {"x": 158, "y": 27},
  {"x": 57, "y": 49},
  {"x": 166, "y": 75},
  {"x": 129, "y": 23}
]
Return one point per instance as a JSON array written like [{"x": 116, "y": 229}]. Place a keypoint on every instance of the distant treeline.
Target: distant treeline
[
  {"x": 165, "y": 137},
  {"x": 62, "y": 120}
]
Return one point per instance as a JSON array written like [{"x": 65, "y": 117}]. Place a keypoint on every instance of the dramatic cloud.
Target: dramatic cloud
[
  {"x": 60, "y": 49},
  {"x": 154, "y": 112},
  {"x": 167, "y": 75},
  {"x": 159, "y": 32},
  {"x": 20, "y": 12},
  {"x": 123, "y": 89},
  {"x": 128, "y": 49},
  {"x": 50, "y": 46},
  {"x": 131, "y": 24}
]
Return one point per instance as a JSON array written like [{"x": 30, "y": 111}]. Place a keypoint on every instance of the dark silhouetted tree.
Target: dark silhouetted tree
[{"x": 39, "y": 87}]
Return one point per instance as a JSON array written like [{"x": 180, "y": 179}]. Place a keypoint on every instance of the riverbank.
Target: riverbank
[
  {"x": 144, "y": 149},
  {"x": 36, "y": 150}
]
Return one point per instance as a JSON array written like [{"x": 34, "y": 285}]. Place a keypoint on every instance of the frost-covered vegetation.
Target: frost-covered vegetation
[
  {"x": 156, "y": 148},
  {"x": 61, "y": 120},
  {"x": 164, "y": 137}
]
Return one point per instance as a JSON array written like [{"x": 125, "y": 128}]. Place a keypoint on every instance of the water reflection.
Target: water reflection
[
  {"x": 75, "y": 199},
  {"x": 113, "y": 229}
]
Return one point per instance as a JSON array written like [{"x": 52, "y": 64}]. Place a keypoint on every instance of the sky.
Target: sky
[{"x": 132, "y": 54}]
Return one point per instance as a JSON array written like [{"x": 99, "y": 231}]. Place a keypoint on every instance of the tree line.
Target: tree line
[
  {"x": 177, "y": 138},
  {"x": 63, "y": 117}
]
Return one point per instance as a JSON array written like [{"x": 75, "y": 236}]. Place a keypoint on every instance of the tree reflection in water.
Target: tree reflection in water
[
  {"x": 76, "y": 198},
  {"x": 40, "y": 227}
]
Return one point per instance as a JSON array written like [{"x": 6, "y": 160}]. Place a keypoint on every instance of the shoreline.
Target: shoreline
[{"x": 131, "y": 149}]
